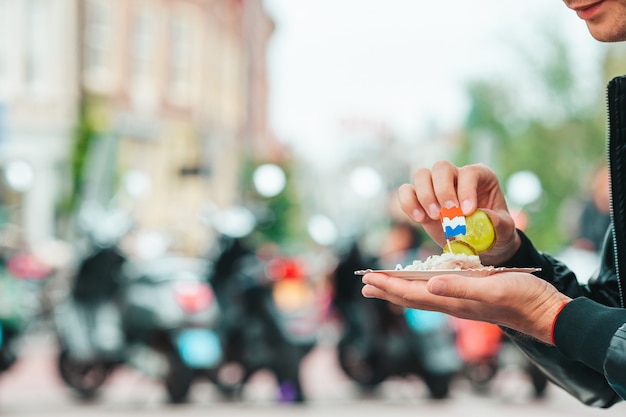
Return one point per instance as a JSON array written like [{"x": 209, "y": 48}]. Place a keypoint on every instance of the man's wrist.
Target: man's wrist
[
  {"x": 558, "y": 311},
  {"x": 546, "y": 319},
  {"x": 539, "y": 317}
]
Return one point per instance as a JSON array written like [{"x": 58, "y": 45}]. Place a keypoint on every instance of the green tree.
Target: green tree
[
  {"x": 89, "y": 127},
  {"x": 279, "y": 217},
  {"x": 545, "y": 124}
]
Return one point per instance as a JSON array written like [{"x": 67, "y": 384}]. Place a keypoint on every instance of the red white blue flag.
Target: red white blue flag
[{"x": 453, "y": 222}]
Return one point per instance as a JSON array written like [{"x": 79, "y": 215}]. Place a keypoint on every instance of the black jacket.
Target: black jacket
[{"x": 589, "y": 359}]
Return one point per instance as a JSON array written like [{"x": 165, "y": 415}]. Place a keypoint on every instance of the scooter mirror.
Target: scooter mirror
[
  {"x": 104, "y": 227},
  {"x": 235, "y": 222}
]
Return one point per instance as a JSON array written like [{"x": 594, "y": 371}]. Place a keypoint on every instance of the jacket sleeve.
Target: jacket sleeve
[
  {"x": 594, "y": 334},
  {"x": 586, "y": 343}
]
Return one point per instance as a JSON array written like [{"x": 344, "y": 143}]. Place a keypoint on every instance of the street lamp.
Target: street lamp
[
  {"x": 137, "y": 184},
  {"x": 322, "y": 230},
  {"x": 366, "y": 182},
  {"x": 269, "y": 180},
  {"x": 523, "y": 188},
  {"x": 19, "y": 175}
]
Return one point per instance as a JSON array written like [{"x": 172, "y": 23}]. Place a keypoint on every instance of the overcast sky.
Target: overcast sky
[{"x": 399, "y": 62}]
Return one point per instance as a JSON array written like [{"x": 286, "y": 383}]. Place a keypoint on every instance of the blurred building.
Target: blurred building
[
  {"x": 38, "y": 98},
  {"x": 180, "y": 89},
  {"x": 172, "y": 91}
]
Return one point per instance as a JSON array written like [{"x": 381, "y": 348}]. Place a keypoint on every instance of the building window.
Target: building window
[
  {"x": 38, "y": 50},
  {"x": 10, "y": 47},
  {"x": 4, "y": 39},
  {"x": 180, "y": 58},
  {"x": 143, "y": 46},
  {"x": 143, "y": 59},
  {"x": 98, "y": 37}
]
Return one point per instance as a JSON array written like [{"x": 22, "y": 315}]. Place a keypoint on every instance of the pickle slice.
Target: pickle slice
[
  {"x": 458, "y": 246},
  {"x": 481, "y": 235}
]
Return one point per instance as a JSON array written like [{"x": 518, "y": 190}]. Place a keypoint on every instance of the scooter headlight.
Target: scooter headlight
[{"x": 193, "y": 297}]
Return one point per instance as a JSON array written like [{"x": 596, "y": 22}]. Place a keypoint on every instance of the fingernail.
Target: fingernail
[
  {"x": 449, "y": 204},
  {"x": 418, "y": 215},
  {"x": 466, "y": 206},
  {"x": 433, "y": 210},
  {"x": 437, "y": 287}
]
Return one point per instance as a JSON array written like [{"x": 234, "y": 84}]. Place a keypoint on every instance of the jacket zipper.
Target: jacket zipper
[{"x": 616, "y": 148}]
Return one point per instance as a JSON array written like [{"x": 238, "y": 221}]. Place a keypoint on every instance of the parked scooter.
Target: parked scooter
[
  {"x": 478, "y": 344},
  {"x": 485, "y": 351},
  {"x": 21, "y": 277},
  {"x": 157, "y": 316},
  {"x": 381, "y": 340},
  {"x": 268, "y": 319}
]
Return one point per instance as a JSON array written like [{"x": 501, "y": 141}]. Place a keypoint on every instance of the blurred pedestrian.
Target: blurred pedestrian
[
  {"x": 588, "y": 228},
  {"x": 400, "y": 245},
  {"x": 595, "y": 217},
  {"x": 575, "y": 332}
]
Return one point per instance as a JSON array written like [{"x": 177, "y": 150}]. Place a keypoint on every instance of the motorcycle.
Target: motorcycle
[
  {"x": 156, "y": 315},
  {"x": 268, "y": 321},
  {"x": 381, "y": 340}
]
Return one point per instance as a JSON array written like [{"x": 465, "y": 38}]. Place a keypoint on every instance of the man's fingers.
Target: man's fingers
[
  {"x": 409, "y": 204},
  {"x": 408, "y": 293},
  {"x": 481, "y": 289},
  {"x": 384, "y": 286},
  {"x": 467, "y": 288},
  {"x": 387, "y": 283},
  {"x": 444, "y": 179}
]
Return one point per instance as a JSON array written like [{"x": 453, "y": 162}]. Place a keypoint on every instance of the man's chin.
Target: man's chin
[{"x": 601, "y": 35}]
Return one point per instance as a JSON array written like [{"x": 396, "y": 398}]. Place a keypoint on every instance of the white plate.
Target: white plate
[{"x": 412, "y": 274}]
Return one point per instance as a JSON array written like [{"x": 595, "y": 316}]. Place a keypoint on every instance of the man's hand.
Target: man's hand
[
  {"x": 515, "y": 300},
  {"x": 468, "y": 187}
]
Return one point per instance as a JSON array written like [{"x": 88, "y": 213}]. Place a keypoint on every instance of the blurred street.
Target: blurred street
[
  {"x": 32, "y": 388},
  {"x": 189, "y": 186}
]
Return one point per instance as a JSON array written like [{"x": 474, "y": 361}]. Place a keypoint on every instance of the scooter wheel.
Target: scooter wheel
[
  {"x": 178, "y": 381},
  {"x": 229, "y": 378},
  {"x": 360, "y": 369},
  {"x": 438, "y": 386},
  {"x": 85, "y": 378},
  {"x": 481, "y": 375}
]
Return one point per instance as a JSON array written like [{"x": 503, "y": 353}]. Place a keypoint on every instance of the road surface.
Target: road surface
[{"x": 33, "y": 388}]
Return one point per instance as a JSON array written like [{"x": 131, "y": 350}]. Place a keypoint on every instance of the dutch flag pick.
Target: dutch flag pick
[{"x": 453, "y": 222}]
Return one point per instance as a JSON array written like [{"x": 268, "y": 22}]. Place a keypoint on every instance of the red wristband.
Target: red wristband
[{"x": 554, "y": 321}]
